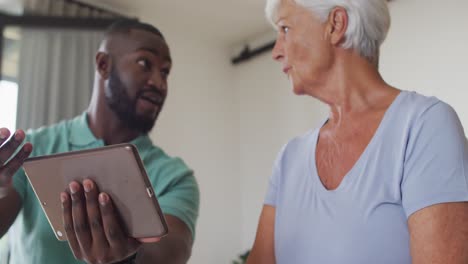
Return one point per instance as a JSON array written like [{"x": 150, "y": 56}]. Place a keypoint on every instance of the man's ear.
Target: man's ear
[
  {"x": 337, "y": 25},
  {"x": 103, "y": 64}
]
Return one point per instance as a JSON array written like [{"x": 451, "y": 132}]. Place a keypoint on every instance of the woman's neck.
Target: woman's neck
[{"x": 354, "y": 87}]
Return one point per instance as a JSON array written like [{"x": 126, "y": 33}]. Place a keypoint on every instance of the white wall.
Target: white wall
[
  {"x": 426, "y": 50},
  {"x": 199, "y": 123}
]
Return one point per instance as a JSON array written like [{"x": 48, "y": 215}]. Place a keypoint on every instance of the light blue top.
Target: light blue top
[
  {"x": 31, "y": 238},
  {"x": 416, "y": 158}
]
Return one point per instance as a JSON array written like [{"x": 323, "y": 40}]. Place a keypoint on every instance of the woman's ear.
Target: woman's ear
[
  {"x": 103, "y": 64},
  {"x": 337, "y": 25}
]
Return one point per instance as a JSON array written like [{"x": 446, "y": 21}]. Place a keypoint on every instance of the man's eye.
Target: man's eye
[
  {"x": 285, "y": 29},
  {"x": 144, "y": 63},
  {"x": 165, "y": 73}
]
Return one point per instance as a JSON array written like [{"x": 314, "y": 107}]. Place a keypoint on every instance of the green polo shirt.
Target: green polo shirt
[{"x": 31, "y": 238}]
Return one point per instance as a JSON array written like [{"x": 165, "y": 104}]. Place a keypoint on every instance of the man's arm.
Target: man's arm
[
  {"x": 175, "y": 248},
  {"x": 10, "y": 205},
  {"x": 439, "y": 234},
  {"x": 10, "y": 200}
]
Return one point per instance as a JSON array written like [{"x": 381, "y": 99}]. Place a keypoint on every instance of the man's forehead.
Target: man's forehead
[
  {"x": 140, "y": 34},
  {"x": 138, "y": 39}
]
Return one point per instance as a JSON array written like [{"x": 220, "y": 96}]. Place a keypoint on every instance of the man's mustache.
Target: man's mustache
[{"x": 152, "y": 94}]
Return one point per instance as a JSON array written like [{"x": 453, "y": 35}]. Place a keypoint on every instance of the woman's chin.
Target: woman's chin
[{"x": 297, "y": 90}]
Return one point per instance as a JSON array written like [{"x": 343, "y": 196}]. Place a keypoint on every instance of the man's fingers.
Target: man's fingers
[
  {"x": 112, "y": 227},
  {"x": 9, "y": 147},
  {"x": 4, "y": 134},
  {"x": 68, "y": 225},
  {"x": 94, "y": 215},
  {"x": 80, "y": 218},
  {"x": 9, "y": 169},
  {"x": 149, "y": 240}
]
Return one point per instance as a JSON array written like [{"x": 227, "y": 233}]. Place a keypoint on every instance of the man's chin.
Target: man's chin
[{"x": 145, "y": 124}]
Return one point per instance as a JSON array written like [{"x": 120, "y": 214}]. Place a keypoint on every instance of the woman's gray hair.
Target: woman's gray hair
[{"x": 368, "y": 22}]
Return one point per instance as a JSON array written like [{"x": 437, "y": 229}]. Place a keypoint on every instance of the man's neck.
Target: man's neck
[{"x": 105, "y": 125}]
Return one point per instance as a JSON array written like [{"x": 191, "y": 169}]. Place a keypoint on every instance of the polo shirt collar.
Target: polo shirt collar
[
  {"x": 81, "y": 135},
  {"x": 142, "y": 143}
]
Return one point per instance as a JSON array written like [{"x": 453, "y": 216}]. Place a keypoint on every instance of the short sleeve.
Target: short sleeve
[
  {"x": 274, "y": 182},
  {"x": 435, "y": 160},
  {"x": 178, "y": 193}
]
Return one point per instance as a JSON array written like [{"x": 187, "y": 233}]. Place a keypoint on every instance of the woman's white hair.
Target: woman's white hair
[{"x": 368, "y": 22}]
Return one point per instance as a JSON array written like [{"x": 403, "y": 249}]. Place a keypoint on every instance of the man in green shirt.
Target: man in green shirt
[{"x": 132, "y": 66}]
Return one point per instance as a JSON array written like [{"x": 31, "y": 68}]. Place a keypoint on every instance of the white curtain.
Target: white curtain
[
  {"x": 56, "y": 72},
  {"x": 56, "y": 67}
]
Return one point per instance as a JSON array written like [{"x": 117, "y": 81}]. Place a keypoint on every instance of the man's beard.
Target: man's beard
[{"x": 124, "y": 107}]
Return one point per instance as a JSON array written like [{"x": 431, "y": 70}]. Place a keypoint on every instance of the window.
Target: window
[
  {"x": 8, "y": 85},
  {"x": 8, "y": 104}
]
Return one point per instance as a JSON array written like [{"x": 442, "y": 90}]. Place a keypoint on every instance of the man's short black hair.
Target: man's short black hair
[{"x": 123, "y": 26}]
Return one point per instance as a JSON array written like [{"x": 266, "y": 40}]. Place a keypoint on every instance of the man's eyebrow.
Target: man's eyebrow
[{"x": 155, "y": 52}]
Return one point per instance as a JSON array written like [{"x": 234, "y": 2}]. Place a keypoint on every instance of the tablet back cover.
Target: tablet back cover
[{"x": 117, "y": 170}]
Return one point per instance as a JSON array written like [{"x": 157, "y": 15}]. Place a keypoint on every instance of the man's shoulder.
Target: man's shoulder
[
  {"x": 164, "y": 169},
  {"x": 50, "y": 131},
  {"x": 47, "y": 137},
  {"x": 156, "y": 157}
]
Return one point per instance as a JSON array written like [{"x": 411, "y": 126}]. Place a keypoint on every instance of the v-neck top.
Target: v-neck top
[{"x": 416, "y": 158}]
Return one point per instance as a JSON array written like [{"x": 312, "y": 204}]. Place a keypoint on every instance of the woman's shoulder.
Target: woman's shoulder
[
  {"x": 416, "y": 103},
  {"x": 301, "y": 143},
  {"x": 427, "y": 113},
  {"x": 306, "y": 138},
  {"x": 419, "y": 106}
]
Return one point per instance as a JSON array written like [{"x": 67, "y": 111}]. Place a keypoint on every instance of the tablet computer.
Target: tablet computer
[{"x": 116, "y": 170}]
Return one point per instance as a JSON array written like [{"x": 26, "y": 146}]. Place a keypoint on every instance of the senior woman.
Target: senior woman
[{"x": 384, "y": 178}]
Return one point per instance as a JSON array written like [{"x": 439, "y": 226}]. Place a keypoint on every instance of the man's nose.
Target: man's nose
[{"x": 157, "y": 81}]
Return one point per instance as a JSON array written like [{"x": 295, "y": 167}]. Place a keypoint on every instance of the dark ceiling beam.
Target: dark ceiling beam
[
  {"x": 247, "y": 53},
  {"x": 94, "y": 8},
  {"x": 39, "y": 21}
]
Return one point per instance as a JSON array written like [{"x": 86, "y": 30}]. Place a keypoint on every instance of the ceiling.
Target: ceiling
[
  {"x": 232, "y": 22},
  {"x": 229, "y": 21}
]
